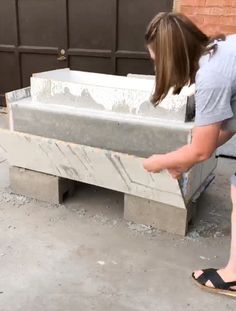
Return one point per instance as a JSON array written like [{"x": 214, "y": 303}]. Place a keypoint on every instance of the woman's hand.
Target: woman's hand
[
  {"x": 203, "y": 144},
  {"x": 175, "y": 173},
  {"x": 153, "y": 164},
  {"x": 156, "y": 163}
]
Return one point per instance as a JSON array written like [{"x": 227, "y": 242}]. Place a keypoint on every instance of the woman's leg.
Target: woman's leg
[
  {"x": 231, "y": 266},
  {"x": 228, "y": 273}
]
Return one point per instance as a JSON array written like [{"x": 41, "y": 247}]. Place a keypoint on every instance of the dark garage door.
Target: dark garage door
[{"x": 92, "y": 35}]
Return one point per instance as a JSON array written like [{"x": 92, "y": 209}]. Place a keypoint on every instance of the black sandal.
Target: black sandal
[{"x": 220, "y": 286}]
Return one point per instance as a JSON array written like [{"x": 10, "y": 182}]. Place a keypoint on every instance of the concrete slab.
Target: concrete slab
[
  {"x": 187, "y": 91},
  {"x": 100, "y": 92},
  {"x": 55, "y": 113},
  {"x": 99, "y": 167},
  {"x": 135, "y": 135}
]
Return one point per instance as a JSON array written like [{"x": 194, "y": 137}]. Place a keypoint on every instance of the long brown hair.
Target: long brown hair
[{"x": 178, "y": 45}]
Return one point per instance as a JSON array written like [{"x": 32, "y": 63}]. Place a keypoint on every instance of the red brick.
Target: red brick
[
  {"x": 212, "y": 16},
  {"x": 229, "y": 29},
  {"x": 188, "y": 10},
  {"x": 218, "y": 29},
  {"x": 227, "y": 20},
  {"x": 197, "y": 19},
  {"x": 214, "y": 20},
  {"x": 223, "y": 3},
  {"x": 193, "y": 2},
  {"x": 230, "y": 11},
  {"x": 218, "y": 11}
]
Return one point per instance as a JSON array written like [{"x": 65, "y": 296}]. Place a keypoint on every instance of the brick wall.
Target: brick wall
[{"x": 212, "y": 16}]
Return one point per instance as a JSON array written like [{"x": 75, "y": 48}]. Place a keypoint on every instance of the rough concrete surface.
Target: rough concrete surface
[
  {"x": 83, "y": 256},
  {"x": 81, "y": 127}
]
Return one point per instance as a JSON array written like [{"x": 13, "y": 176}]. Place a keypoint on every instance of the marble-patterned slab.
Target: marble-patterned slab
[{"x": 111, "y": 170}]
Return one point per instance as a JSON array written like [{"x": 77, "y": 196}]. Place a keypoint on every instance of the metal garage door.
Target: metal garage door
[{"x": 92, "y": 35}]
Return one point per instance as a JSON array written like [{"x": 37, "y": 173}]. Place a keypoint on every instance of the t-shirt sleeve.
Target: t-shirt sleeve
[{"x": 212, "y": 98}]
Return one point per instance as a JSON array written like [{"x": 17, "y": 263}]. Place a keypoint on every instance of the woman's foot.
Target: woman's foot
[
  {"x": 226, "y": 274},
  {"x": 221, "y": 281}
]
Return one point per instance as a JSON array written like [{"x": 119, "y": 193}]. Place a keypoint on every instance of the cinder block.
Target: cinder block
[
  {"x": 80, "y": 127},
  {"x": 40, "y": 186},
  {"x": 161, "y": 216}
]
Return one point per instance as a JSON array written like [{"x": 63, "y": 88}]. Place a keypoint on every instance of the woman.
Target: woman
[{"x": 183, "y": 55}]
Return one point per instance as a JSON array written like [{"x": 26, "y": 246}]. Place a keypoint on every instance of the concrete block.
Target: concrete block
[
  {"x": 39, "y": 186},
  {"x": 107, "y": 93},
  {"x": 161, "y": 216},
  {"x": 91, "y": 90},
  {"x": 117, "y": 133},
  {"x": 189, "y": 101}
]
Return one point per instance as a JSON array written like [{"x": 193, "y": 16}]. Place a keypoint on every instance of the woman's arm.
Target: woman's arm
[
  {"x": 204, "y": 143},
  {"x": 224, "y": 136}
]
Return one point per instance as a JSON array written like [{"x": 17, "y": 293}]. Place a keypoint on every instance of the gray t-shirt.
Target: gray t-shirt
[{"x": 215, "y": 95}]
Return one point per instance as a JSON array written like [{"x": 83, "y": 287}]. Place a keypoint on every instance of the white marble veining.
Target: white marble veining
[
  {"x": 99, "y": 91},
  {"x": 104, "y": 168}
]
